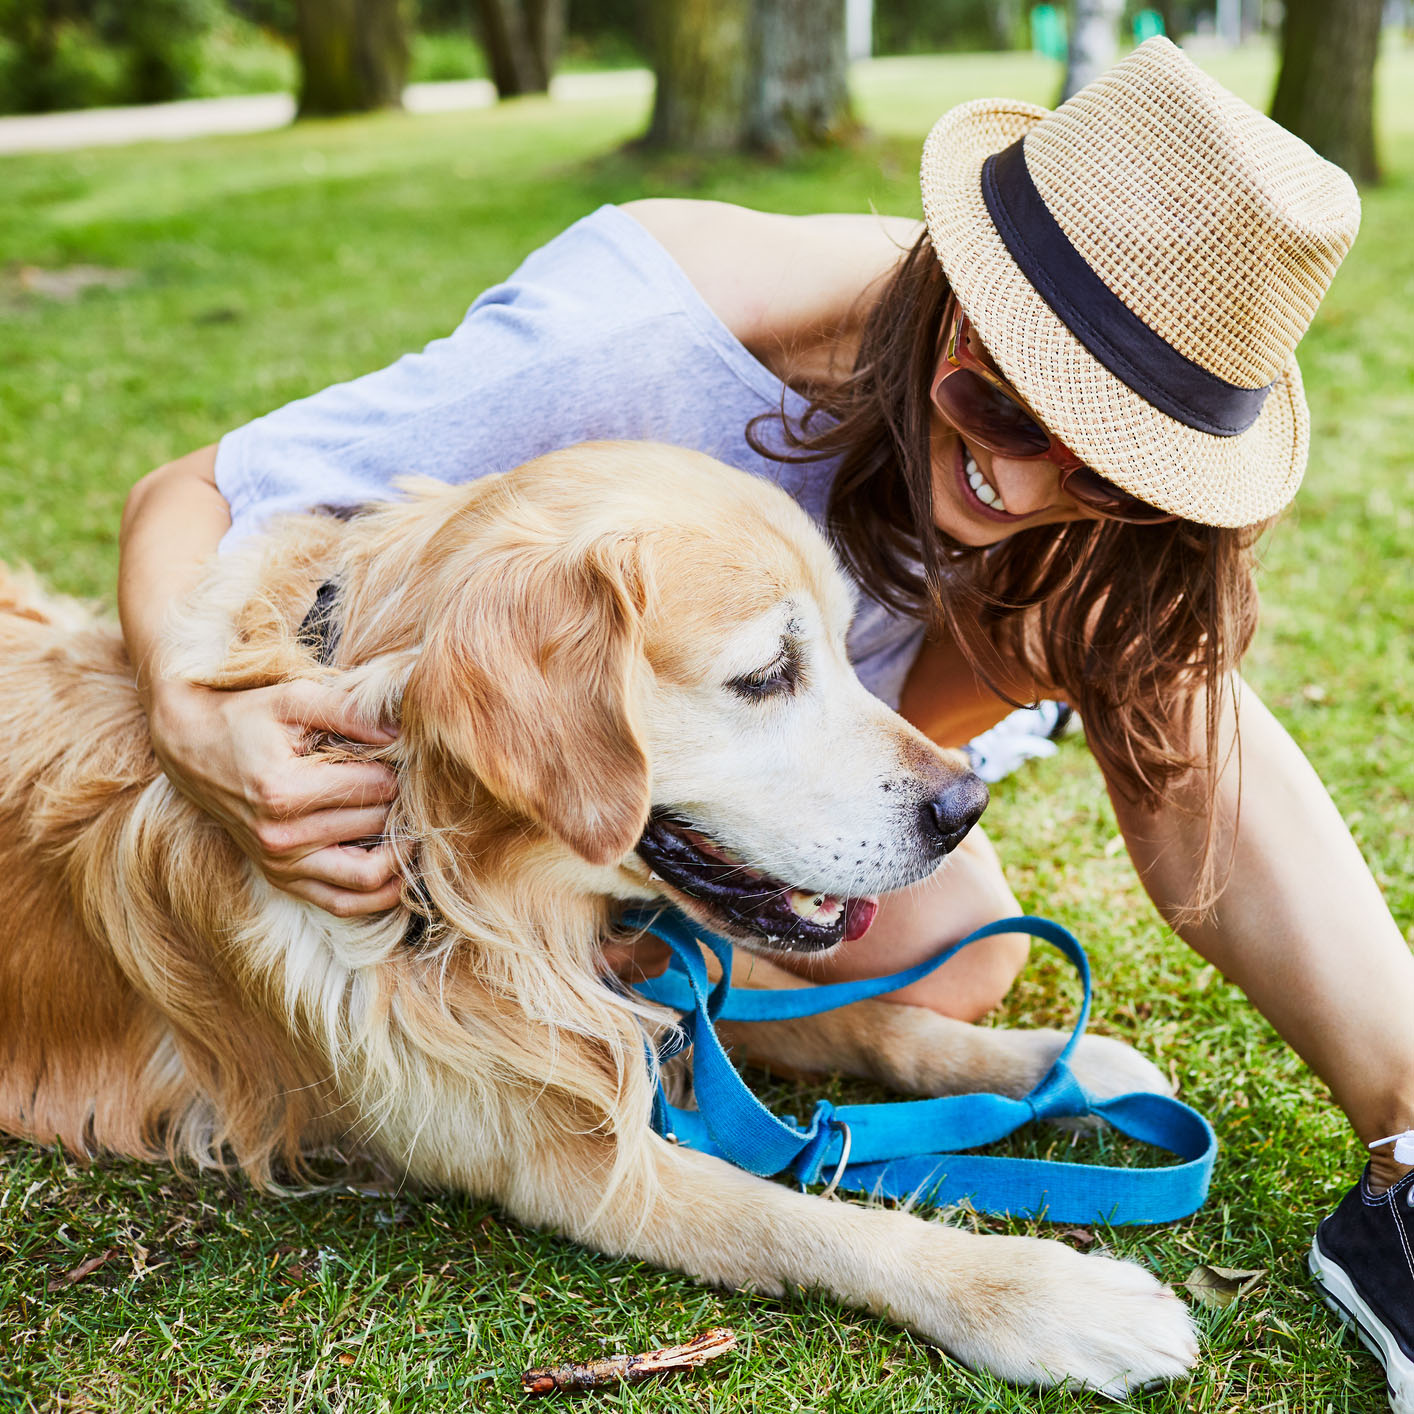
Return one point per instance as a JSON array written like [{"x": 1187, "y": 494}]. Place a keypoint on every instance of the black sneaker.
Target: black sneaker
[{"x": 1362, "y": 1259}]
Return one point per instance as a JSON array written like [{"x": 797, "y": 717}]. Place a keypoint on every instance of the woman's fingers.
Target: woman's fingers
[
  {"x": 290, "y": 840},
  {"x": 238, "y": 755},
  {"x": 343, "y": 903},
  {"x": 342, "y": 868},
  {"x": 306, "y": 784},
  {"x": 313, "y": 707}
]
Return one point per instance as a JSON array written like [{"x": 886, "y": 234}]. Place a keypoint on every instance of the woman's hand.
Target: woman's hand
[{"x": 240, "y": 757}]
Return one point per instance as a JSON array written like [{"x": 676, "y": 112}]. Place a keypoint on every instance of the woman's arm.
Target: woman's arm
[
  {"x": 237, "y": 754},
  {"x": 1301, "y": 926},
  {"x": 945, "y": 699}
]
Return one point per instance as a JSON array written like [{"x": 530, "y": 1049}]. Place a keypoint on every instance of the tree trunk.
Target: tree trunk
[
  {"x": 1094, "y": 42},
  {"x": 797, "y": 91},
  {"x": 736, "y": 74},
  {"x": 1325, "y": 91},
  {"x": 1173, "y": 17},
  {"x": 700, "y": 60},
  {"x": 353, "y": 55},
  {"x": 522, "y": 42}
]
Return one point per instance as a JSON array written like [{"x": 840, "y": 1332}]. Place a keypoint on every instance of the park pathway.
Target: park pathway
[{"x": 260, "y": 112}]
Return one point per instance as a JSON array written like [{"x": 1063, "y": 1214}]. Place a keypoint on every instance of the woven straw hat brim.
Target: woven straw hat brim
[{"x": 1214, "y": 480}]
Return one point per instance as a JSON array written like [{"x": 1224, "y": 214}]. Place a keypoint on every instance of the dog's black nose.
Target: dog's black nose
[{"x": 954, "y": 811}]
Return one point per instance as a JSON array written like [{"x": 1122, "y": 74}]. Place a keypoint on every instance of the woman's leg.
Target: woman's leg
[{"x": 968, "y": 891}]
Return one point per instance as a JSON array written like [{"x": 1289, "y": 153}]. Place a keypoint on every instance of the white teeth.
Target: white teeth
[
  {"x": 655, "y": 876},
  {"x": 981, "y": 487},
  {"x": 821, "y": 908}
]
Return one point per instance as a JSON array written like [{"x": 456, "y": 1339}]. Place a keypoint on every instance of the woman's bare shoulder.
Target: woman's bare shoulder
[{"x": 774, "y": 279}]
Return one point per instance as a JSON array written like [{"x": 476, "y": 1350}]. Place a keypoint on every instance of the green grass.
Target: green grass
[{"x": 267, "y": 267}]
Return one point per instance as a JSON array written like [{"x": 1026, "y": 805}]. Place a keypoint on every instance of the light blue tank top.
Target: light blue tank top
[{"x": 599, "y": 334}]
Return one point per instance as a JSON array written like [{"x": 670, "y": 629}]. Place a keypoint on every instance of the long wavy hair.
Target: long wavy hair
[{"x": 1133, "y": 623}]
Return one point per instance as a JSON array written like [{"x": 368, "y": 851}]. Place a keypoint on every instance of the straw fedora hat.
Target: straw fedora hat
[{"x": 1141, "y": 264}]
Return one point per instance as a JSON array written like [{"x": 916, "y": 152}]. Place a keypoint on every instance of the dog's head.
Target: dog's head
[{"x": 640, "y": 653}]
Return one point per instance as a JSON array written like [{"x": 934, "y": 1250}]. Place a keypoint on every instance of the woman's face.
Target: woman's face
[{"x": 981, "y": 497}]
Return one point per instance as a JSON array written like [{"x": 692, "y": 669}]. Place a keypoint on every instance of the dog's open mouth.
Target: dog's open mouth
[{"x": 743, "y": 900}]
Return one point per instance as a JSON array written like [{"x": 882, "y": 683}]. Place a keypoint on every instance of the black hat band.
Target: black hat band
[{"x": 1140, "y": 358}]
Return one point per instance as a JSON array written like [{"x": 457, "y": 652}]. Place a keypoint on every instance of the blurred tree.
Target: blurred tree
[
  {"x": 760, "y": 74},
  {"x": 278, "y": 16},
  {"x": 522, "y": 41},
  {"x": 797, "y": 83},
  {"x": 31, "y": 28},
  {"x": 1325, "y": 91},
  {"x": 1094, "y": 42},
  {"x": 933, "y": 26},
  {"x": 353, "y": 55},
  {"x": 161, "y": 40},
  {"x": 699, "y": 60},
  {"x": 76, "y": 53}
]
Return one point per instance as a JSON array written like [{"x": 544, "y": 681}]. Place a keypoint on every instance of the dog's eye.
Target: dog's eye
[{"x": 780, "y": 676}]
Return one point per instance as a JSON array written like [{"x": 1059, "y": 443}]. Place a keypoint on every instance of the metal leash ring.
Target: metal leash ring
[{"x": 834, "y": 1182}]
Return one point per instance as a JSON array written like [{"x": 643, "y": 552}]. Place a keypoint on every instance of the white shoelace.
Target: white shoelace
[{"x": 1403, "y": 1146}]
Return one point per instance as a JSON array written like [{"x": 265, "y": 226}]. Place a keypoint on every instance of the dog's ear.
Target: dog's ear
[{"x": 527, "y": 677}]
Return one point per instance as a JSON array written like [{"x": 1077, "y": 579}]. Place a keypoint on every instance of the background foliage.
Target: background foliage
[
  {"x": 57, "y": 54},
  {"x": 151, "y": 298}
]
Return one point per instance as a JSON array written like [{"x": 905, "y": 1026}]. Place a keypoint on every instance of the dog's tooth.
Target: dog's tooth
[
  {"x": 804, "y": 905},
  {"x": 817, "y": 907},
  {"x": 655, "y": 876}
]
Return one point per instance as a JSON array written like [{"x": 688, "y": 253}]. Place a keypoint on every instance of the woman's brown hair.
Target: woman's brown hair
[{"x": 1129, "y": 622}]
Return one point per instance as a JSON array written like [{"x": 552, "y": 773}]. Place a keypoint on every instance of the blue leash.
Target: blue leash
[{"x": 912, "y": 1148}]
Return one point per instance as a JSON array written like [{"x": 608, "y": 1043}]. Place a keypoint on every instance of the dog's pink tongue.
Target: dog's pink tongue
[{"x": 858, "y": 915}]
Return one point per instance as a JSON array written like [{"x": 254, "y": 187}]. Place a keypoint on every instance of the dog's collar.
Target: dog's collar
[{"x": 319, "y": 632}]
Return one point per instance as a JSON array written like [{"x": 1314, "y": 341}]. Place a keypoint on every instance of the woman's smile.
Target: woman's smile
[{"x": 974, "y": 492}]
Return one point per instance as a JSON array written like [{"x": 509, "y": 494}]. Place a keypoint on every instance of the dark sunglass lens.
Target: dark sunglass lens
[
  {"x": 979, "y": 408},
  {"x": 1091, "y": 489}
]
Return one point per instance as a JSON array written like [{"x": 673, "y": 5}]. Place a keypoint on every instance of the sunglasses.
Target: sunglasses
[{"x": 982, "y": 406}]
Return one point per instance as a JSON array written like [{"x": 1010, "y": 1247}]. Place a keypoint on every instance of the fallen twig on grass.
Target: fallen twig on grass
[{"x": 630, "y": 1369}]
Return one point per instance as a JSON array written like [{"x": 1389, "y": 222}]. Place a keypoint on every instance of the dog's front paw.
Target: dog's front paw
[
  {"x": 1106, "y": 1067},
  {"x": 1050, "y": 1316}
]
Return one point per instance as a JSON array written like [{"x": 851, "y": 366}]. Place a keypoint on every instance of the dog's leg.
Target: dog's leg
[
  {"x": 915, "y": 1051},
  {"x": 1029, "y": 1310}
]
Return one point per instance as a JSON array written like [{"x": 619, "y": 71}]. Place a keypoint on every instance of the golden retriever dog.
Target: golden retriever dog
[{"x": 613, "y": 669}]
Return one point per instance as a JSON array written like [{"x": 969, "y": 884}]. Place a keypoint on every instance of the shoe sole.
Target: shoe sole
[{"x": 1340, "y": 1295}]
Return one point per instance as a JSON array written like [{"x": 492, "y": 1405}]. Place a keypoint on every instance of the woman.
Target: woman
[{"x": 1080, "y": 375}]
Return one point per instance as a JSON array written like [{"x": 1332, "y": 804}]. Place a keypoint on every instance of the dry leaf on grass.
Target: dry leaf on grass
[
  {"x": 1219, "y": 1287},
  {"x": 629, "y": 1369},
  {"x": 87, "y": 1267}
]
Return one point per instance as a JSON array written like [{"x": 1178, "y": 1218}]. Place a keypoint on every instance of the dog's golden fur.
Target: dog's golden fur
[{"x": 538, "y": 636}]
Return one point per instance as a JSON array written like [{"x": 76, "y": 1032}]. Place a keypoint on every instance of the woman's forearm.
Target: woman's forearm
[
  {"x": 1301, "y": 926},
  {"x": 172, "y": 523}
]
